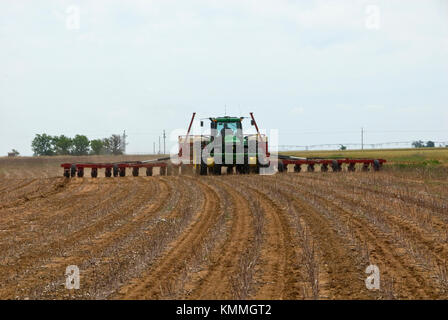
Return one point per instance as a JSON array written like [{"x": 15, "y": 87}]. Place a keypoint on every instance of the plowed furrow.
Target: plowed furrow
[
  {"x": 72, "y": 240},
  {"x": 279, "y": 278},
  {"x": 219, "y": 280},
  {"x": 157, "y": 281},
  {"x": 401, "y": 268},
  {"x": 117, "y": 250}
]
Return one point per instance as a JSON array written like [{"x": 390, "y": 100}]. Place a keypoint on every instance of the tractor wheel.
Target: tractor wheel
[
  {"x": 324, "y": 167},
  {"x": 162, "y": 171},
  {"x": 135, "y": 171},
  {"x": 149, "y": 171},
  {"x": 216, "y": 169},
  {"x": 203, "y": 169},
  {"x": 67, "y": 173},
  {"x": 122, "y": 171},
  {"x": 254, "y": 169},
  {"x": 229, "y": 170},
  {"x": 94, "y": 172},
  {"x": 351, "y": 167},
  {"x": 242, "y": 169},
  {"x": 281, "y": 167},
  {"x": 310, "y": 168},
  {"x": 115, "y": 171},
  {"x": 73, "y": 170},
  {"x": 80, "y": 172},
  {"x": 108, "y": 172},
  {"x": 297, "y": 168},
  {"x": 365, "y": 167}
]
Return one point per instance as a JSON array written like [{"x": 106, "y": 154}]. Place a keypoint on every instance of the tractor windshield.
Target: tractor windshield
[{"x": 221, "y": 126}]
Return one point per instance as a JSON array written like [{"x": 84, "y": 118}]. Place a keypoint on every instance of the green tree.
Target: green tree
[
  {"x": 430, "y": 144},
  {"x": 80, "y": 145},
  {"x": 62, "y": 145},
  {"x": 114, "y": 144},
  {"x": 342, "y": 147},
  {"x": 97, "y": 146},
  {"x": 15, "y": 152},
  {"x": 42, "y": 145},
  {"x": 418, "y": 144}
]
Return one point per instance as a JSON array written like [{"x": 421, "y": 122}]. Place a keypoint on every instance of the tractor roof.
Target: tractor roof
[{"x": 226, "y": 119}]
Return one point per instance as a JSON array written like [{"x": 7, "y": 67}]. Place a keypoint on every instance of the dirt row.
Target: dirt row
[{"x": 287, "y": 236}]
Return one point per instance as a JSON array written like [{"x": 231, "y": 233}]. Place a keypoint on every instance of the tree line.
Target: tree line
[
  {"x": 46, "y": 145},
  {"x": 421, "y": 144}
]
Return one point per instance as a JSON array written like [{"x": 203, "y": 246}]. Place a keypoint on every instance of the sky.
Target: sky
[{"x": 316, "y": 71}]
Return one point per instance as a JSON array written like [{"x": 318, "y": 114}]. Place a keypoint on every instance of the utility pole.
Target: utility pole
[
  {"x": 124, "y": 142},
  {"x": 159, "y": 144},
  {"x": 154, "y": 147},
  {"x": 164, "y": 138},
  {"x": 362, "y": 138}
]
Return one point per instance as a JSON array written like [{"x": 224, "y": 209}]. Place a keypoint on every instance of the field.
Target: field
[{"x": 288, "y": 236}]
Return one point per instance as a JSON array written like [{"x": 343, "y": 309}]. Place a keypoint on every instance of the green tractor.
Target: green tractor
[{"x": 226, "y": 147}]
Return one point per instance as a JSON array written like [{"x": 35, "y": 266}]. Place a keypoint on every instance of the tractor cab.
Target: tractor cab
[{"x": 227, "y": 129}]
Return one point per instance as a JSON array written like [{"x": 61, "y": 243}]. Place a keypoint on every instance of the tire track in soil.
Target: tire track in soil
[
  {"x": 218, "y": 280},
  {"x": 341, "y": 278},
  {"x": 166, "y": 268},
  {"x": 279, "y": 276},
  {"x": 382, "y": 253}
]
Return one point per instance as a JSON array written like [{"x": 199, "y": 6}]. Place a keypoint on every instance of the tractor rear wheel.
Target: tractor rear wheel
[
  {"x": 229, "y": 170},
  {"x": 94, "y": 172},
  {"x": 135, "y": 171},
  {"x": 108, "y": 172},
  {"x": 149, "y": 171},
  {"x": 203, "y": 169},
  {"x": 217, "y": 169},
  {"x": 297, "y": 168},
  {"x": 80, "y": 172},
  {"x": 122, "y": 171}
]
